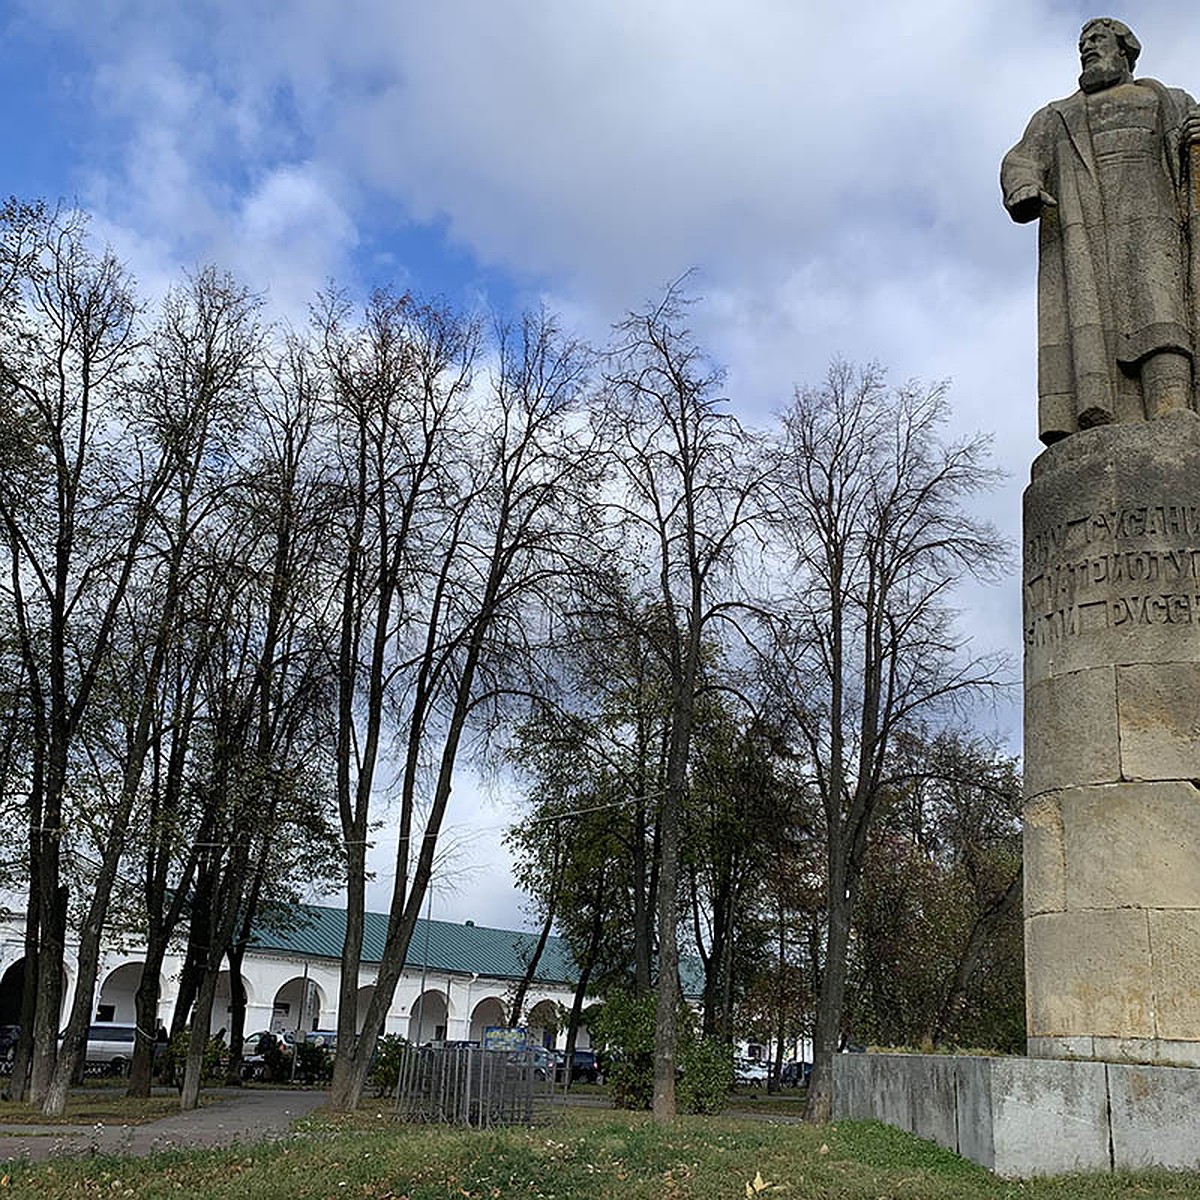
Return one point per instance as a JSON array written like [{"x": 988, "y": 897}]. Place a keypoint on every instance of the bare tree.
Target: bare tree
[
  {"x": 198, "y": 375},
  {"x": 870, "y": 513},
  {"x": 686, "y": 495},
  {"x": 482, "y": 550},
  {"x": 75, "y": 508}
]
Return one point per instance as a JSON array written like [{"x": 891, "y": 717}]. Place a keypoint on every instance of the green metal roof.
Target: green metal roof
[
  {"x": 314, "y": 931},
  {"x": 319, "y": 932}
]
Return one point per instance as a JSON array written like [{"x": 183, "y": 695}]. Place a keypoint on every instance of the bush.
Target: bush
[
  {"x": 385, "y": 1063},
  {"x": 171, "y": 1063},
  {"x": 626, "y": 1026},
  {"x": 707, "y": 1074},
  {"x": 314, "y": 1063}
]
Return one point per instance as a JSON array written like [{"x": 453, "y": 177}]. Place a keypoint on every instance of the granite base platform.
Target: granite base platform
[{"x": 1030, "y": 1116}]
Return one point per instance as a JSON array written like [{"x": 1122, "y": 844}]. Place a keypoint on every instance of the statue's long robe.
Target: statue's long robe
[{"x": 1113, "y": 269}]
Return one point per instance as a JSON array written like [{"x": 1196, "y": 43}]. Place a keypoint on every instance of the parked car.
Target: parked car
[
  {"x": 585, "y": 1066},
  {"x": 257, "y": 1043},
  {"x": 110, "y": 1047},
  {"x": 9, "y": 1036},
  {"x": 260, "y": 1046},
  {"x": 795, "y": 1074},
  {"x": 748, "y": 1073},
  {"x": 537, "y": 1059}
]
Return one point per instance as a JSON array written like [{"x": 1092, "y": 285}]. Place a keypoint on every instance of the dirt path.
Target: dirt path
[{"x": 229, "y": 1115}]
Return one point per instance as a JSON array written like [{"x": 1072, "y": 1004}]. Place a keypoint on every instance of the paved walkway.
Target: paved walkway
[{"x": 228, "y": 1115}]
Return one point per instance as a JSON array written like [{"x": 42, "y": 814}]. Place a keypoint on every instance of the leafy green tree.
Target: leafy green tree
[{"x": 938, "y": 955}]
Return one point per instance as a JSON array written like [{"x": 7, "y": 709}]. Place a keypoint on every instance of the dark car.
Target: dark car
[
  {"x": 584, "y": 1066},
  {"x": 795, "y": 1074},
  {"x": 9, "y": 1036},
  {"x": 537, "y": 1060}
]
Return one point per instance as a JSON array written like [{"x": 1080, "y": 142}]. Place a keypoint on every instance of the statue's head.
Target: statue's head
[{"x": 1107, "y": 51}]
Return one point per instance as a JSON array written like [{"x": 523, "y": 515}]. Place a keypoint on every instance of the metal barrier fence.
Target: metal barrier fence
[{"x": 460, "y": 1085}]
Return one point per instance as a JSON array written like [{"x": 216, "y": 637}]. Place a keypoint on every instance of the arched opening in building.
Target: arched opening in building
[
  {"x": 489, "y": 1011},
  {"x": 116, "y": 1000},
  {"x": 12, "y": 982},
  {"x": 541, "y": 1026},
  {"x": 298, "y": 1007},
  {"x": 428, "y": 1018}
]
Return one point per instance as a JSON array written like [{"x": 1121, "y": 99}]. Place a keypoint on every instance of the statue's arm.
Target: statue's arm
[
  {"x": 1190, "y": 124},
  {"x": 1023, "y": 173}
]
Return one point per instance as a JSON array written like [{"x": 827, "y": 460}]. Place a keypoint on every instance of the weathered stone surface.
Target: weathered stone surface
[
  {"x": 1131, "y": 845},
  {"x": 1089, "y": 974},
  {"x": 1159, "y": 720},
  {"x": 1175, "y": 946},
  {"x": 1071, "y": 731},
  {"x": 913, "y": 1092},
  {"x": 1043, "y": 854},
  {"x": 1115, "y": 330},
  {"x": 973, "y": 1107},
  {"x": 1048, "y": 1116},
  {"x": 1077, "y": 1046},
  {"x": 1153, "y": 1051},
  {"x": 1168, "y": 1052},
  {"x": 1021, "y": 1116},
  {"x": 1112, "y": 550},
  {"x": 1112, "y": 608},
  {"x": 1155, "y": 1116}
]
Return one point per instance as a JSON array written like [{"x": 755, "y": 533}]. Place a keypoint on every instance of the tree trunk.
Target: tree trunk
[
  {"x": 830, "y": 1004},
  {"x": 643, "y": 938},
  {"x": 199, "y": 936},
  {"x": 532, "y": 966},
  {"x": 49, "y": 992},
  {"x": 70, "y": 1059},
  {"x": 581, "y": 985},
  {"x": 344, "y": 1087},
  {"x": 666, "y": 1020},
  {"x": 237, "y": 1013},
  {"x": 141, "y": 1069},
  {"x": 189, "y": 1095}
]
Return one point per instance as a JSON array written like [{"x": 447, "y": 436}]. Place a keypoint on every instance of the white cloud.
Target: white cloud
[{"x": 831, "y": 170}]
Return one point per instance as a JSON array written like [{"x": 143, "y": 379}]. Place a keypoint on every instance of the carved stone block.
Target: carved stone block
[
  {"x": 1175, "y": 950},
  {"x": 1089, "y": 974},
  {"x": 1071, "y": 731},
  {"x": 1131, "y": 845},
  {"x": 1044, "y": 856},
  {"x": 1159, "y": 720}
]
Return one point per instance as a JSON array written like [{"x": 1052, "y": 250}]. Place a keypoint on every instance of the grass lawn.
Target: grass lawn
[
  {"x": 582, "y": 1155},
  {"x": 91, "y": 1106}
]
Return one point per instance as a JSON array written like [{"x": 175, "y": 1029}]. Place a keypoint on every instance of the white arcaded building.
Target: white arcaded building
[{"x": 457, "y": 980}]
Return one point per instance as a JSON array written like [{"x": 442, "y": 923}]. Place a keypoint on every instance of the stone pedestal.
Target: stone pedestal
[
  {"x": 1026, "y": 1116},
  {"x": 1112, "y": 745}
]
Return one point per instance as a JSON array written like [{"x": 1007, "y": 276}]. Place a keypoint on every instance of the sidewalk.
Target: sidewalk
[{"x": 228, "y": 1115}]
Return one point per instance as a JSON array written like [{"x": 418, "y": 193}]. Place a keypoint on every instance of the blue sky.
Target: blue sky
[{"x": 829, "y": 171}]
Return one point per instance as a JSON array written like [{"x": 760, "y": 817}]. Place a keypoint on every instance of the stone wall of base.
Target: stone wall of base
[{"x": 1029, "y": 1116}]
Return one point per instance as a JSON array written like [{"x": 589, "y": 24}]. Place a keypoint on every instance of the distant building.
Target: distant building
[{"x": 457, "y": 979}]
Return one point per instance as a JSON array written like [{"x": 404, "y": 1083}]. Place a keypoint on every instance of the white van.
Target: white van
[{"x": 110, "y": 1047}]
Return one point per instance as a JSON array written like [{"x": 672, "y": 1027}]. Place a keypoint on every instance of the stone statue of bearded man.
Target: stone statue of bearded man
[{"x": 1107, "y": 173}]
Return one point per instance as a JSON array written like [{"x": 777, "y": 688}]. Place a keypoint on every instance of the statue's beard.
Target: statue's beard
[{"x": 1103, "y": 75}]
